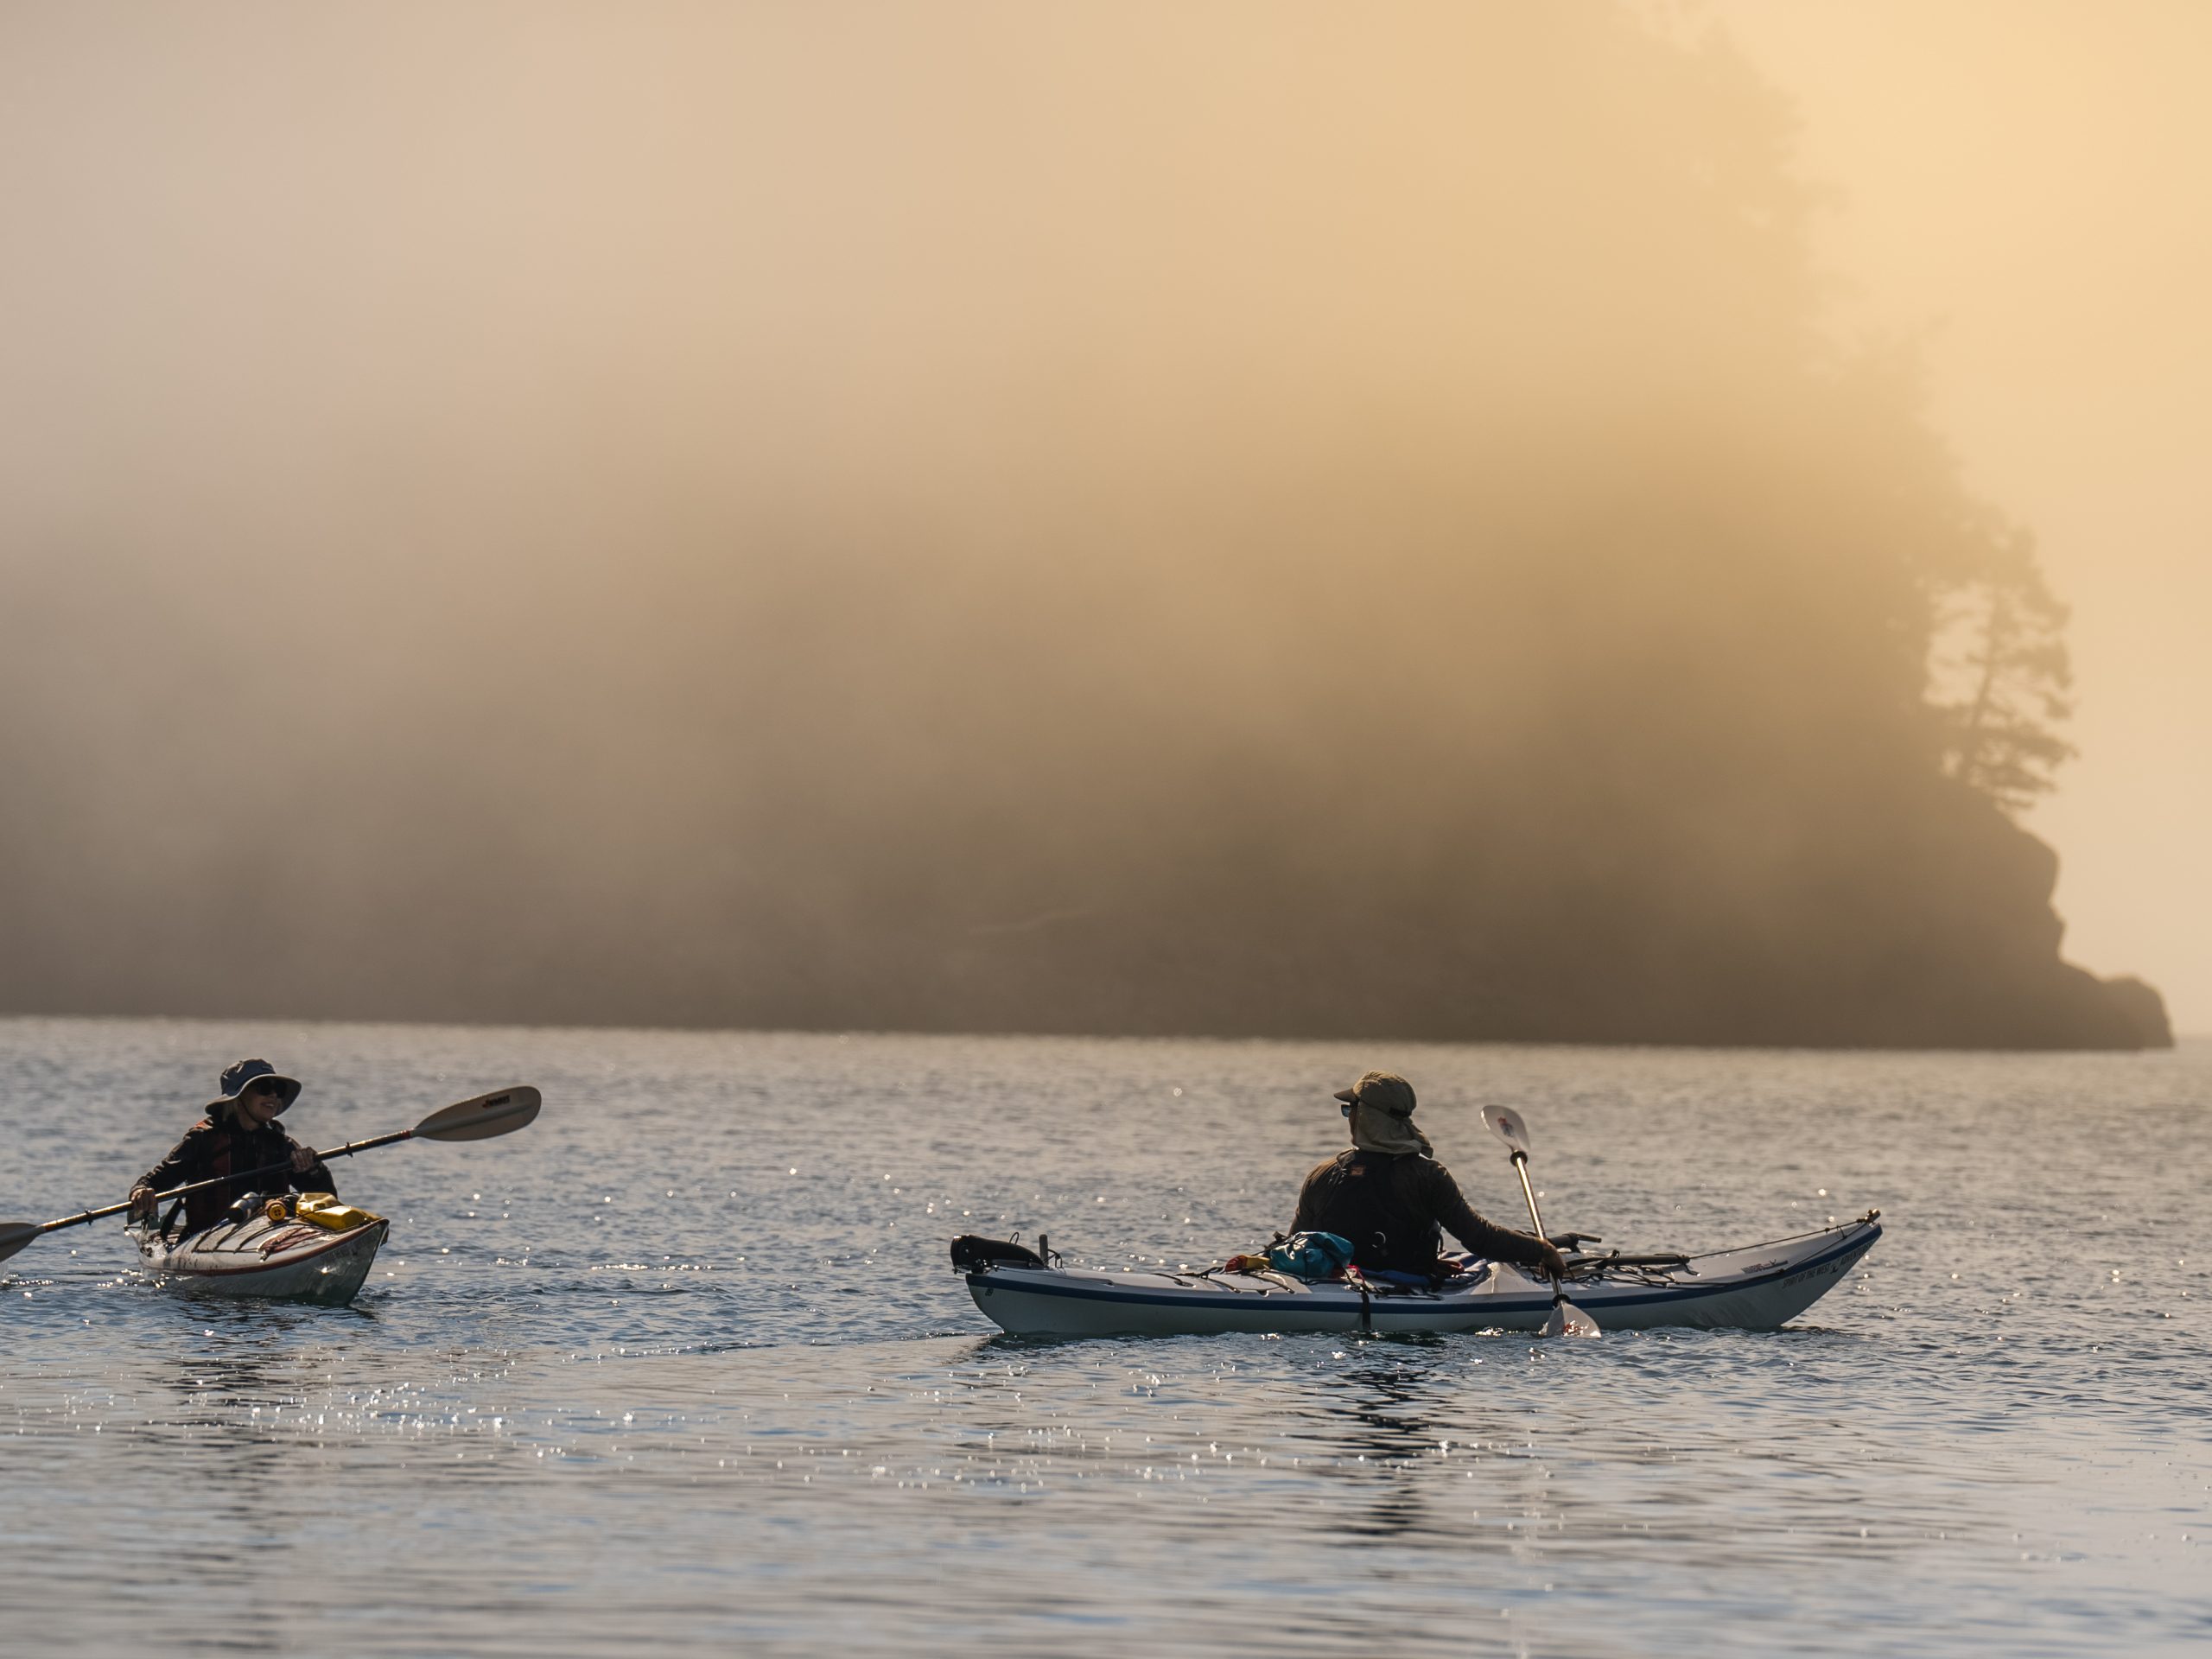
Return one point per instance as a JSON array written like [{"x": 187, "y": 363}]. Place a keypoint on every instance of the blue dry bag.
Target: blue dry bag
[{"x": 1311, "y": 1255}]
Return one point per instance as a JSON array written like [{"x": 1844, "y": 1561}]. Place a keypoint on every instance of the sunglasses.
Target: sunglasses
[
  {"x": 1347, "y": 1105},
  {"x": 267, "y": 1091}
]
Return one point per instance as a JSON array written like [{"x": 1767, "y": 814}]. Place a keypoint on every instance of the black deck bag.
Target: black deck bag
[{"x": 973, "y": 1255}]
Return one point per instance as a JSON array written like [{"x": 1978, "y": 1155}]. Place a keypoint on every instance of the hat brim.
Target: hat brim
[
  {"x": 291, "y": 1085},
  {"x": 1351, "y": 1097}
]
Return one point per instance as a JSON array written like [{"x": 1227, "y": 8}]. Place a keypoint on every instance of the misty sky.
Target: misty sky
[
  {"x": 532, "y": 294},
  {"x": 2025, "y": 189}
]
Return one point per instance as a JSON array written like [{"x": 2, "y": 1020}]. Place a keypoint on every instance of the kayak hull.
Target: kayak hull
[
  {"x": 1758, "y": 1287},
  {"x": 275, "y": 1261}
]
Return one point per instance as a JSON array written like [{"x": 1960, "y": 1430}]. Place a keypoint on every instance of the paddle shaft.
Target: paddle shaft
[
  {"x": 1567, "y": 1319},
  {"x": 1521, "y": 1168},
  {"x": 347, "y": 1151},
  {"x": 1560, "y": 1308}
]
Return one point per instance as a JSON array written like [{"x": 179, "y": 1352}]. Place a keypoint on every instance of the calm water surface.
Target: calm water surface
[{"x": 682, "y": 1366}]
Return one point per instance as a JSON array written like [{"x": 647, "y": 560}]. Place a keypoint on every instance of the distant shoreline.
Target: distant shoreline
[{"x": 2181, "y": 1040}]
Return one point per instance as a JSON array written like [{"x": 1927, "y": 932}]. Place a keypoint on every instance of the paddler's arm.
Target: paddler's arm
[
  {"x": 1309, "y": 1199},
  {"x": 177, "y": 1169},
  {"x": 1451, "y": 1207}
]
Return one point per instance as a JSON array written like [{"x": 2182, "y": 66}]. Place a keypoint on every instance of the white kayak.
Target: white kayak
[
  {"x": 311, "y": 1249},
  {"x": 1756, "y": 1288}
]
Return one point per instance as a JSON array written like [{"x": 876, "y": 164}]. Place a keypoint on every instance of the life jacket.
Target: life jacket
[
  {"x": 204, "y": 1209},
  {"x": 1366, "y": 1199}
]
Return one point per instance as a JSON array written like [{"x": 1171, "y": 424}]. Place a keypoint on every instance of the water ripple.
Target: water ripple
[{"x": 683, "y": 1364}]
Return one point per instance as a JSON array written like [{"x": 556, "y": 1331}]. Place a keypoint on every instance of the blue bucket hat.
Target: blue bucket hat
[{"x": 242, "y": 1076}]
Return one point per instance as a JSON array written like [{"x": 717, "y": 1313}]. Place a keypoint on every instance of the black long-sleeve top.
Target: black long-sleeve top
[
  {"x": 1390, "y": 1207},
  {"x": 210, "y": 1149}
]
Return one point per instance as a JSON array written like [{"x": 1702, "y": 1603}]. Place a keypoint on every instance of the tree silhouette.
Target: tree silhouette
[{"x": 2001, "y": 677}]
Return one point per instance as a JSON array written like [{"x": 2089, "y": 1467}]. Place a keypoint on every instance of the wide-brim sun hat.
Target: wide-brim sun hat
[
  {"x": 1385, "y": 1091},
  {"x": 242, "y": 1076}
]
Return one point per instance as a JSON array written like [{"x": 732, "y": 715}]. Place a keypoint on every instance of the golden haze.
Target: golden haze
[{"x": 772, "y": 513}]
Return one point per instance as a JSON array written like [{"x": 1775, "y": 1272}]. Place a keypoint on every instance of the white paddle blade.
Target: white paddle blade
[
  {"x": 1568, "y": 1320},
  {"x": 1505, "y": 1123},
  {"x": 499, "y": 1113}
]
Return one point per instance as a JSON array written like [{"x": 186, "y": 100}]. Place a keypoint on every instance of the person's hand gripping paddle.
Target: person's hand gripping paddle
[{"x": 1567, "y": 1319}]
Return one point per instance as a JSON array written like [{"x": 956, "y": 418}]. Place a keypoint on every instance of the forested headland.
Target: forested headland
[{"x": 1274, "y": 522}]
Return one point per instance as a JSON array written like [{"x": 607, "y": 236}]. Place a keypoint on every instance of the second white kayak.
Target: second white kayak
[{"x": 1755, "y": 1288}]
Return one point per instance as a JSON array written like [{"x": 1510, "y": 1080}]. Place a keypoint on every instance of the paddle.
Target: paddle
[
  {"x": 1567, "y": 1319},
  {"x": 500, "y": 1112}
]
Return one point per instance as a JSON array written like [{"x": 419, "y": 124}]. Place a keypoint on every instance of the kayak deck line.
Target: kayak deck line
[{"x": 1868, "y": 1219}]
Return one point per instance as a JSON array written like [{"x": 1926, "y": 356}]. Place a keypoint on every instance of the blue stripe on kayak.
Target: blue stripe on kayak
[{"x": 1391, "y": 1305}]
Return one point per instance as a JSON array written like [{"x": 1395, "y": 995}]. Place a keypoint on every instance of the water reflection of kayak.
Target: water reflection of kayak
[
  {"x": 1754, "y": 1288},
  {"x": 310, "y": 1249}
]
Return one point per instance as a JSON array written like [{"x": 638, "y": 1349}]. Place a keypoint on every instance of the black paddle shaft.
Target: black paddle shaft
[{"x": 347, "y": 1151}]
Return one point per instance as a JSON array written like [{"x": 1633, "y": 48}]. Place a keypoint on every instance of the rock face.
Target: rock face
[
  {"x": 2143, "y": 1010},
  {"x": 1931, "y": 931},
  {"x": 1979, "y": 963},
  {"x": 2012, "y": 990}
]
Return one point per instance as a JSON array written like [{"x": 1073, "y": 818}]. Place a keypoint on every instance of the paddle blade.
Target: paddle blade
[
  {"x": 1568, "y": 1320},
  {"x": 1505, "y": 1123},
  {"x": 499, "y": 1113},
  {"x": 14, "y": 1235}
]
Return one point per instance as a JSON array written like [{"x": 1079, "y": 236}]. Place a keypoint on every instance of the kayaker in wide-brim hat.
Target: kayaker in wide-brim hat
[
  {"x": 1387, "y": 1193},
  {"x": 258, "y": 1082},
  {"x": 238, "y": 1136},
  {"x": 1380, "y": 1109}
]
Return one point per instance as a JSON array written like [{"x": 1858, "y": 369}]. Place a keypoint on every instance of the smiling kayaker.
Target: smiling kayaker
[
  {"x": 1388, "y": 1196},
  {"x": 239, "y": 1134}
]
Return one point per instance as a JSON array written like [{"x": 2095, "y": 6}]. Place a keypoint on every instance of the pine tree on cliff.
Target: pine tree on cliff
[{"x": 2009, "y": 669}]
